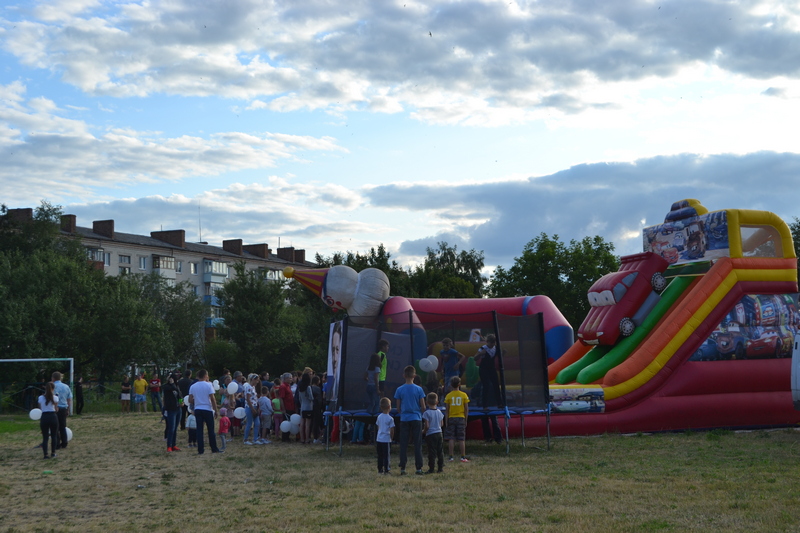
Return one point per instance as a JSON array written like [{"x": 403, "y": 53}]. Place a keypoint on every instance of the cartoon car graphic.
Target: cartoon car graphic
[
  {"x": 620, "y": 300},
  {"x": 730, "y": 344},
  {"x": 771, "y": 342}
]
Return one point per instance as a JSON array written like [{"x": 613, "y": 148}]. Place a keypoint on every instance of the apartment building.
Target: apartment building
[{"x": 204, "y": 266}]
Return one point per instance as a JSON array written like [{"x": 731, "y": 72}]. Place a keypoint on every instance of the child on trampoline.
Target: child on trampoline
[
  {"x": 383, "y": 440},
  {"x": 455, "y": 418}
]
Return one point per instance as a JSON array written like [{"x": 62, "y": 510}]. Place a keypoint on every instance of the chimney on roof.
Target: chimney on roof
[
  {"x": 258, "y": 250},
  {"x": 287, "y": 254},
  {"x": 175, "y": 237},
  {"x": 69, "y": 223},
  {"x": 24, "y": 214},
  {"x": 233, "y": 246},
  {"x": 104, "y": 228},
  {"x": 299, "y": 256}
]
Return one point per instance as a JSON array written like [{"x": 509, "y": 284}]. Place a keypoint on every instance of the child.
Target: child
[
  {"x": 432, "y": 427},
  {"x": 277, "y": 412},
  {"x": 455, "y": 417},
  {"x": 265, "y": 410},
  {"x": 224, "y": 426},
  {"x": 385, "y": 424},
  {"x": 410, "y": 405},
  {"x": 191, "y": 426}
]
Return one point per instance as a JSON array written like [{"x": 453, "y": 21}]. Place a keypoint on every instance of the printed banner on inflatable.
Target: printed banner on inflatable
[
  {"x": 578, "y": 400},
  {"x": 760, "y": 326},
  {"x": 697, "y": 238}
]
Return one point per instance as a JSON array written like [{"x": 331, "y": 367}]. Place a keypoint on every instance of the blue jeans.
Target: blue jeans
[
  {"x": 172, "y": 427},
  {"x": 411, "y": 429},
  {"x": 372, "y": 398},
  {"x": 251, "y": 422},
  {"x": 205, "y": 418},
  {"x": 156, "y": 397}
]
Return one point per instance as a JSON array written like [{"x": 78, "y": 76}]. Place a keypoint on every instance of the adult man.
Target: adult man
[
  {"x": 140, "y": 394},
  {"x": 410, "y": 404},
  {"x": 184, "y": 384},
  {"x": 64, "y": 394},
  {"x": 155, "y": 393},
  {"x": 204, "y": 404},
  {"x": 486, "y": 359}
]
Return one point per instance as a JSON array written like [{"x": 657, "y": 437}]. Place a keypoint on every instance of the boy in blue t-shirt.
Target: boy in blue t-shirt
[{"x": 410, "y": 405}]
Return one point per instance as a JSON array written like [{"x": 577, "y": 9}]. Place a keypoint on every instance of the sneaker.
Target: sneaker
[
  {"x": 316, "y": 441},
  {"x": 46, "y": 457},
  {"x": 175, "y": 449},
  {"x": 169, "y": 449},
  {"x": 249, "y": 443},
  {"x": 380, "y": 472},
  {"x": 53, "y": 456},
  {"x": 439, "y": 471},
  {"x": 266, "y": 441},
  {"x": 464, "y": 460},
  {"x": 450, "y": 460},
  {"x": 402, "y": 471},
  {"x": 218, "y": 451},
  {"x": 430, "y": 471},
  {"x": 420, "y": 472},
  {"x": 387, "y": 472}
]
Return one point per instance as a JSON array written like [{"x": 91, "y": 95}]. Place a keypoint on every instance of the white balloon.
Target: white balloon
[
  {"x": 216, "y": 386},
  {"x": 239, "y": 412},
  {"x": 294, "y": 430},
  {"x": 425, "y": 365},
  {"x": 216, "y": 382},
  {"x": 35, "y": 414},
  {"x": 434, "y": 361},
  {"x": 69, "y": 434},
  {"x": 233, "y": 387},
  {"x": 286, "y": 426},
  {"x": 296, "y": 419},
  {"x": 186, "y": 400}
]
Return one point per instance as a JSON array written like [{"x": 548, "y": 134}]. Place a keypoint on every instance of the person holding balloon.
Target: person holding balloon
[{"x": 48, "y": 423}]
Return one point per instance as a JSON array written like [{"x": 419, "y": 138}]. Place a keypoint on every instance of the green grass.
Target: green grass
[{"x": 115, "y": 472}]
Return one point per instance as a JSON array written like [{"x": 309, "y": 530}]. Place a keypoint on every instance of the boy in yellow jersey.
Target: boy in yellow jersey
[{"x": 455, "y": 416}]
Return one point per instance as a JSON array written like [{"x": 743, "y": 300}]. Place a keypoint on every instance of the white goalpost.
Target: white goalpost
[{"x": 71, "y": 371}]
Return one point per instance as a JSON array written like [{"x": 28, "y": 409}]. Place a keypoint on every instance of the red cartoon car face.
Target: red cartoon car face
[{"x": 615, "y": 298}]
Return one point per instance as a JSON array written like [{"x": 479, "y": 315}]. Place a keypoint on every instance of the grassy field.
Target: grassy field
[{"x": 116, "y": 475}]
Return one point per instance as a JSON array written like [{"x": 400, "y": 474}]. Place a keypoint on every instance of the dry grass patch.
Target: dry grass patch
[{"x": 115, "y": 474}]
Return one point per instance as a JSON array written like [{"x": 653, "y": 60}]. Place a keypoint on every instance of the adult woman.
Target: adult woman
[
  {"x": 125, "y": 395},
  {"x": 306, "y": 396},
  {"x": 48, "y": 403},
  {"x": 252, "y": 417},
  {"x": 173, "y": 409},
  {"x": 372, "y": 376}
]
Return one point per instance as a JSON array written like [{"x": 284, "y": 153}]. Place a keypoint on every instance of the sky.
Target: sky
[{"x": 336, "y": 126}]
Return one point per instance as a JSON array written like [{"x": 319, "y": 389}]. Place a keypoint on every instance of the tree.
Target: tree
[
  {"x": 448, "y": 273},
  {"x": 256, "y": 321},
  {"x": 795, "y": 229},
  {"x": 564, "y": 273},
  {"x": 182, "y": 313}
]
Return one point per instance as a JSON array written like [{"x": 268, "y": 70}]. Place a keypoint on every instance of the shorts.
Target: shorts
[
  {"x": 125, "y": 396},
  {"x": 308, "y": 415},
  {"x": 266, "y": 420},
  {"x": 456, "y": 429},
  {"x": 139, "y": 398}
]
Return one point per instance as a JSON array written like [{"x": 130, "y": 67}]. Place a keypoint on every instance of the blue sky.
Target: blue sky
[{"x": 336, "y": 126}]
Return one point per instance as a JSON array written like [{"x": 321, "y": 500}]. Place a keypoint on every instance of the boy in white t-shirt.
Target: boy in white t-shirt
[
  {"x": 432, "y": 428},
  {"x": 385, "y": 424}
]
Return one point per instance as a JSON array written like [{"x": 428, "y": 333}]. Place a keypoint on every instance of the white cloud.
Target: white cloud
[
  {"x": 62, "y": 158},
  {"x": 483, "y": 62}
]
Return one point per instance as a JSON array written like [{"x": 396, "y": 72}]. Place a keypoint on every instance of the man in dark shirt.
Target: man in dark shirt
[{"x": 184, "y": 384}]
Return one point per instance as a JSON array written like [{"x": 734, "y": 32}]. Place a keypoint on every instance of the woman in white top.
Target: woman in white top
[
  {"x": 48, "y": 403},
  {"x": 252, "y": 418}
]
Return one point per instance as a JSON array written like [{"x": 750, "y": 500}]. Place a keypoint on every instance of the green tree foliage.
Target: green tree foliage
[
  {"x": 257, "y": 322},
  {"x": 448, "y": 273},
  {"x": 181, "y": 312},
  {"x": 56, "y": 304},
  {"x": 563, "y": 272},
  {"x": 794, "y": 226}
]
